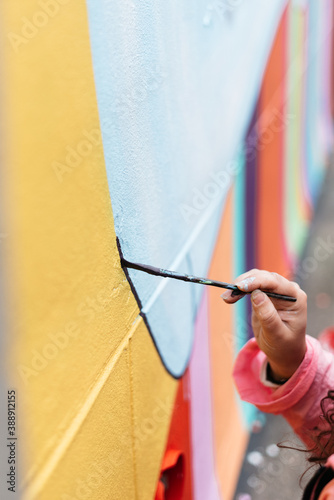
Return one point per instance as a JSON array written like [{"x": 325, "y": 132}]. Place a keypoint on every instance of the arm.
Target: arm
[
  {"x": 279, "y": 329},
  {"x": 298, "y": 400}
]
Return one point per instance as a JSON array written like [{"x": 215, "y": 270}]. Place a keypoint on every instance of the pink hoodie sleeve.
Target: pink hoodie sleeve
[{"x": 298, "y": 400}]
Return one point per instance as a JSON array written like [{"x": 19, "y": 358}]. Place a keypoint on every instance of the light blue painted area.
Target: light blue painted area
[{"x": 176, "y": 84}]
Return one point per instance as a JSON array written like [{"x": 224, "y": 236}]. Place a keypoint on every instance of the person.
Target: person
[{"x": 284, "y": 371}]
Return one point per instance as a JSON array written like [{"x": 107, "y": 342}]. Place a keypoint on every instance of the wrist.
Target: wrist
[
  {"x": 274, "y": 377},
  {"x": 279, "y": 372},
  {"x": 291, "y": 364}
]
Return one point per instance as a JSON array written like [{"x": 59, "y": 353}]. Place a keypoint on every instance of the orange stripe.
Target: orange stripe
[
  {"x": 230, "y": 437},
  {"x": 270, "y": 212}
]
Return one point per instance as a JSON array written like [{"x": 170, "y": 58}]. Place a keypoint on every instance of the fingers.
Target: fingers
[
  {"x": 265, "y": 280},
  {"x": 256, "y": 325},
  {"x": 265, "y": 312},
  {"x": 230, "y": 298}
]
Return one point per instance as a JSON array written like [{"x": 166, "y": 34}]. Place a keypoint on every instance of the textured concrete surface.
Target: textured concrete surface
[{"x": 267, "y": 471}]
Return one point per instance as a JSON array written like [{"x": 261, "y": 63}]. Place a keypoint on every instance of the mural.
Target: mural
[{"x": 197, "y": 134}]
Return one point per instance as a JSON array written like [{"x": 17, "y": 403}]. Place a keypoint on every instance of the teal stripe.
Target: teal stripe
[
  {"x": 239, "y": 251},
  {"x": 247, "y": 411}
]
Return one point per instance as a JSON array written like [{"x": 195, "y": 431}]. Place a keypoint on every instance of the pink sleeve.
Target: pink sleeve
[{"x": 298, "y": 400}]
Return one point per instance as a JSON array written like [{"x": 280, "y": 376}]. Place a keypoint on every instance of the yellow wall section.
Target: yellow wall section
[{"x": 82, "y": 360}]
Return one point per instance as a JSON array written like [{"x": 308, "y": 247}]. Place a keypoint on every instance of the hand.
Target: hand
[{"x": 279, "y": 326}]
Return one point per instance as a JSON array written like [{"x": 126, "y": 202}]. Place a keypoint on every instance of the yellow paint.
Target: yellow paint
[{"x": 82, "y": 360}]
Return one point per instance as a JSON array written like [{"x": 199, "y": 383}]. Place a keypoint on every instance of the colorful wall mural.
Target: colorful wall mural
[{"x": 197, "y": 134}]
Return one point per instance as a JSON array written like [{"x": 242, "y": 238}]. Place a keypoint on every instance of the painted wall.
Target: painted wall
[{"x": 196, "y": 134}]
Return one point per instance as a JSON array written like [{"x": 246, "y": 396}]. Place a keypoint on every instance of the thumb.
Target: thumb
[{"x": 265, "y": 312}]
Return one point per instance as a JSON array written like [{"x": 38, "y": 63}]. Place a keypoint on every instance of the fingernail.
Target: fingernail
[
  {"x": 257, "y": 297},
  {"x": 243, "y": 285},
  {"x": 226, "y": 295}
]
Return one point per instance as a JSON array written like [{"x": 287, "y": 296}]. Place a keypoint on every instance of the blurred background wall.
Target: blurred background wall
[{"x": 196, "y": 133}]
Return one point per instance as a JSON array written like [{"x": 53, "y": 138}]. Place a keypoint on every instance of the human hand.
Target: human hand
[{"x": 279, "y": 326}]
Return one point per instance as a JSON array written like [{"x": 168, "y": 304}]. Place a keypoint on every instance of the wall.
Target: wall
[{"x": 196, "y": 134}]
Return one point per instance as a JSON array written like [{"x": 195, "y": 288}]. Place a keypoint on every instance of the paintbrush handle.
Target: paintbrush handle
[
  {"x": 164, "y": 273},
  {"x": 279, "y": 296}
]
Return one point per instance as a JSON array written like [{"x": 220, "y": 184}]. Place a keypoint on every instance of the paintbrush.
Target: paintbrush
[{"x": 155, "y": 271}]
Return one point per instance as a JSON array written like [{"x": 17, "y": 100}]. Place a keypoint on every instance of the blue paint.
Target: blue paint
[{"x": 174, "y": 104}]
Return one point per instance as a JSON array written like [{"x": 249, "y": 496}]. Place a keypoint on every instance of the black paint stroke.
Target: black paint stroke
[{"x": 140, "y": 306}]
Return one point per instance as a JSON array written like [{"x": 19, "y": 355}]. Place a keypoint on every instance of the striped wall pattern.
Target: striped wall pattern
[{"x": 198, "y": 134}]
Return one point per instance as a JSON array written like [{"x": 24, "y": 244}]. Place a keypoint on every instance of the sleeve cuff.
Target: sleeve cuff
[
  {"x": 263, "y": 376},
  {"x": 252, "y": 386}
]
